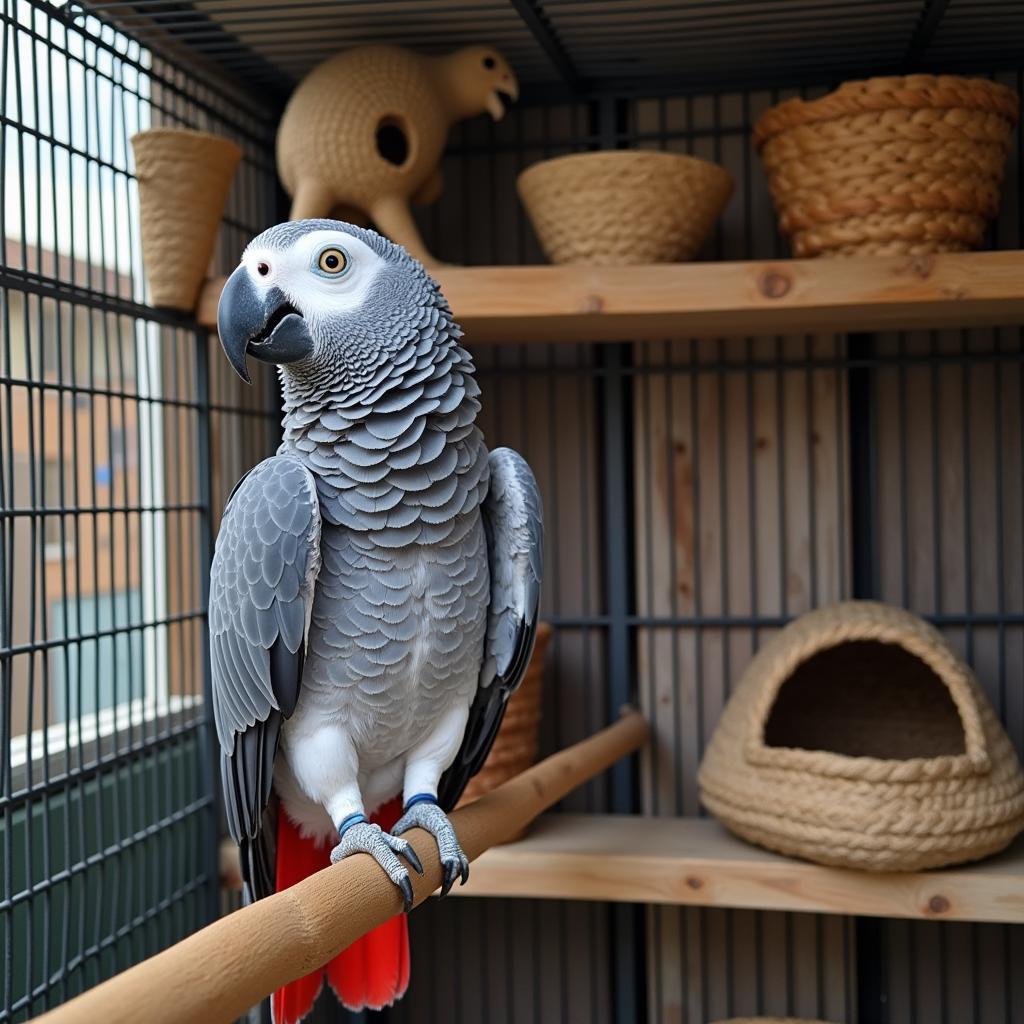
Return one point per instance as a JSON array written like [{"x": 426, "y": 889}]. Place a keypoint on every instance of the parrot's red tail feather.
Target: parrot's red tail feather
[{"x": 371, "y": 973}]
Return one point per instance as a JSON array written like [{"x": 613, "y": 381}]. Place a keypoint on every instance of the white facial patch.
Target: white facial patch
[{"x": 314, "y": 293}]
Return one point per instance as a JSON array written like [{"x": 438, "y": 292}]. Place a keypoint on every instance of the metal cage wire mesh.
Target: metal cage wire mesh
[
  {"x": 110, "y": 411},
  {"x": 698, "y": 495}
]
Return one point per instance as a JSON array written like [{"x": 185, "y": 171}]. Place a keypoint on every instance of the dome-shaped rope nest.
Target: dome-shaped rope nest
[{"x": 857, "y": 738}]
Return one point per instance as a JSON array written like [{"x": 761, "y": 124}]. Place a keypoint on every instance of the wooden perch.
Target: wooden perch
[{"x": 217, "y": 974}]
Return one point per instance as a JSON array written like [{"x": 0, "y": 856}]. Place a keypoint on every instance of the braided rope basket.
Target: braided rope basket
[
  {"x": 889, "y": 166},
  {"x": 857, "y": 738},
  {"x": 623, "y": 206}
]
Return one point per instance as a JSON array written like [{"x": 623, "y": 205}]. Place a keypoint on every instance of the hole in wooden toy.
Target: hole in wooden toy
[
  {"x": 392, "y": 140},
  {"x": 864, "y": 698}
]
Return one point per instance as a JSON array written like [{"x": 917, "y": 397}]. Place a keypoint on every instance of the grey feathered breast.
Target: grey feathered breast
[{"x": 397, "y": 454}]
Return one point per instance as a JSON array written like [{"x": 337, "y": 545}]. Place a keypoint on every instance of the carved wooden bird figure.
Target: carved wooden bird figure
[{"x": 364, "y": 132}]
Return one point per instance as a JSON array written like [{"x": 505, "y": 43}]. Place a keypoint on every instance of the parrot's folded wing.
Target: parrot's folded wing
[
  {"x": 515, "y": 549},
  {"x": 262, "y": 578}
]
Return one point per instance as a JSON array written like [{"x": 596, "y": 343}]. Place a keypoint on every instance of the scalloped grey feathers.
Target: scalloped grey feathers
[
  {"x": 262, "y": 577},
  {"x": 513, "y": 521}
]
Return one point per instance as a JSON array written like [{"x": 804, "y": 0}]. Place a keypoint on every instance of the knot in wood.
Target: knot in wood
[
  {"x": 921, "y": 265},
  {"x": 774, "y": 284}
]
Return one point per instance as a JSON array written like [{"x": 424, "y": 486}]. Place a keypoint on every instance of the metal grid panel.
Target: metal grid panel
[
  {"x": 589, "y": 47},
  {"x": 616, "y": 39},
  {"x": 744, "y": 465},
  {"x": 305, "y": 39},
  {"x": 107, "y": 804},
  {"x": 995, "y": 25},
  {"x": 268, "y": 44},
  {"x": 616, "y": 491}
]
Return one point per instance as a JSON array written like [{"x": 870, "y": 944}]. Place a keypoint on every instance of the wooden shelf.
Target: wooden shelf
[
  {"x": 548, "y": 303},
  {"x": 695, "y": 862}
]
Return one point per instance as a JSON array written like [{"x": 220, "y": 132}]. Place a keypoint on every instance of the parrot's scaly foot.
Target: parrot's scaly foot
[
  {"x": 423, "y": 812},
  {"x": 362, "y": 837}
]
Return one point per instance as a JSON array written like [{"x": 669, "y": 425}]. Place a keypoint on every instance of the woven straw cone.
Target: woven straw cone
[
  {"x": 921, "y": 780},
  {"x": 889, "y": 166},
  {"x": 625, "y": 206},
  {"x": 515, "y": 746},
  {"x": 184, "y": 177}
]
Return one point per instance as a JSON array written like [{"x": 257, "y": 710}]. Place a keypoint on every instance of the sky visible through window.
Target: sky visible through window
[{"x": 73, "y": 99}]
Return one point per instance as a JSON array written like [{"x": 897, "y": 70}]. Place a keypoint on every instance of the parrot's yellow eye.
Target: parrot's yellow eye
[{"x": 332, "y": 261}]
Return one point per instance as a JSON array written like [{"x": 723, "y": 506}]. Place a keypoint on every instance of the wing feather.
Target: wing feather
[
  {"x": 513, "y": 520},
  {"x": 262, "y": 579}
]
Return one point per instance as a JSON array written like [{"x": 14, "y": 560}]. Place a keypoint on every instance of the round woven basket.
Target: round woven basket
[
  {"x": 889, "y": 166},
  {"x": 857, "y": 738},
  {"x": 184, "y": 177},
  {"x": 623, "y": 206},
  {"x": 515, "y": 746}
]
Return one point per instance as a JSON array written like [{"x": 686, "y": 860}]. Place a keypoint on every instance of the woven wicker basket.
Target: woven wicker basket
[
  {"x": 856, "y": 737},
  {"x": 889, "y": 166},
  {"x": 515, "y": 746},
  {"x": 624, "y": 206},
  {"x": 184, "y": 177}
]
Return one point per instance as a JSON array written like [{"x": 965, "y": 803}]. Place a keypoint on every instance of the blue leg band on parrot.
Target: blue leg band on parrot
[
  {"x": 352, "y": 819},
  {"x": 420, "y": 798}
]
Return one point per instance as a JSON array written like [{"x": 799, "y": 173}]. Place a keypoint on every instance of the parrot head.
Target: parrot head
[
  {"x": 320, "y": 294},
  {"x": 479, "y": 77}
]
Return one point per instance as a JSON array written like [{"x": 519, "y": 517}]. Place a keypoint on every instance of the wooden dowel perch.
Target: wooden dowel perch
[{"x": 220, "y": 972}]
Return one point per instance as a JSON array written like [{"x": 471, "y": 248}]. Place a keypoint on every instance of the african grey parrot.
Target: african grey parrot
[{"x": 375, "y": 584}]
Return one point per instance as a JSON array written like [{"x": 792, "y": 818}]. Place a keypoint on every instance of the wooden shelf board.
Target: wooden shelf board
[
  {"x": 695, "y": 862},
  {"x": 569, "y": 303}
]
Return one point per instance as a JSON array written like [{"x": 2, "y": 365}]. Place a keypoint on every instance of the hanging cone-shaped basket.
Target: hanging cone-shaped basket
[
  {"x": 857, "y": 737},
  {"x": 184, "y": 177}
]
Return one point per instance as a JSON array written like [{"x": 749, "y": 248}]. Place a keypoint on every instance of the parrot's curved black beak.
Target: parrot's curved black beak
[{"x": 259, "y": 322}]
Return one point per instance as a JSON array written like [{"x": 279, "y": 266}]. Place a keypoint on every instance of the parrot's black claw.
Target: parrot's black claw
[
  {"x": 428, "y": 816},
  {"x": 414, "y": 861},
  {"x": 451, "y": 872},
  {"x": 406, "y": 886}
]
